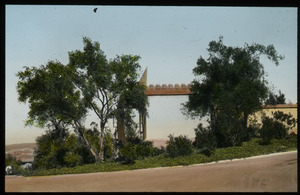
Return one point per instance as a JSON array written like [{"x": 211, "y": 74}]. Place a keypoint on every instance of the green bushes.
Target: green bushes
[
  {"x": 179, "y": 146},
  {"x": 204, "y": 138},
  {"x": 57, "y": 149},
  {"x": 14, "y": 163},
  {"x": 276, "y": 127},
  {"x": 108, "y": 148},
  {"x": 227, "y": 134},
  {"x": 135, "y": 151},
  {"x": 271, "y": 136},
  {"x": 247, "y": 149}
]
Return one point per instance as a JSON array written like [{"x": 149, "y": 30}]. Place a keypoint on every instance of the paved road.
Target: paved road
[{"x": 269, "y": 173}]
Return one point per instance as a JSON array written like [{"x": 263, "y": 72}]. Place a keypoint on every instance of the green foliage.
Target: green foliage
[
  {"x": 206, "y": 151},
  {"x": 179, "y": 146},
  {"x": 205, "y": 138},
  {"x": 50, "y": 93},
  {"x": 72, "y": 159},
  {"x": 129, "y": 153},
  {"x": 132, "y": 136},
  {"x": 274, "y": 99},
  {"x": 93, "y": 138},
  {"x": 109, "y": 88},
  {"x": 229, "y": 131},
  {"x": 49, "y": 152},
  {"x": 276, "y": 127},
  {"x": 62, "y": 95},
  {"x": 108, "y": 148},
  {"x": 231, "y": 85},
  {"x": 247, "y": 149},
  {"x": 58, "y": 148},
  {"x": 14, "y": 163},
  {"x": 139, "y": 150},
  {"x": 72, "y": 155},
  {"x": 10, "y": 160}
]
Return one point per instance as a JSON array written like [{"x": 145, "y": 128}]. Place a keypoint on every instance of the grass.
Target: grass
[{"x": 248, "y": 149}]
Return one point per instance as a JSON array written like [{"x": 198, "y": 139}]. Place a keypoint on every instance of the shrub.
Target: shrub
[
  {"x": 49, "y": 152},
  {"x": 73, "y": 159},
  {"x": 129, "y": 153},
  {"x": 229, "y": 130},
  {"x": 247, "y": 149},
  {"x": 276, "y": 127},
  {"x": 55, "y": 150},
  {"x": 158, "y": 151},
  {"x": 14, "y": 163},
  {"x": 134, "y": 140},
  {"x": 108, "y": 148},
  {"x": 11, "y": 160},
  {"x": 268, "y": 129},
  {"x": 292, "y": 135},
  {"x": 206, "y": 151},
  {"x": 132, "y": 152},
  {"x": 252, "y": 131},
  {"x": 204, "y": 138},
  {"x": 179, "y": 146}
]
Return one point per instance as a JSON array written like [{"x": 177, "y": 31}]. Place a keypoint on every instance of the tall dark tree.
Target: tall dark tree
[{"x": 231, "y": 85}]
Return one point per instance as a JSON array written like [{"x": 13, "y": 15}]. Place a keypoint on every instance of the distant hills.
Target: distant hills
[{"x": 22, "y": 152}]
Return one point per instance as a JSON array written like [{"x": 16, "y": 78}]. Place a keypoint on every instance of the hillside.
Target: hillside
[{"x": 23, "y": 152}]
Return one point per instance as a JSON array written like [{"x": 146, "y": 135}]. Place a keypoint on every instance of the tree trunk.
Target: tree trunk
[
  {"x": 144, "y": 126},
  {"x": 88, "y": 144},
  {"x": 121, "y": 131},
  {"x": 91, "y": 149},
  {"x": 101, "y": 144},
  {"x": 213, "y": 119},
  {"x": 245, "y": 120}
]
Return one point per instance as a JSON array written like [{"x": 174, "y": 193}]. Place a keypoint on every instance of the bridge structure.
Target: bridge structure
[
  {"x": 153, "y": 90},
  {"x": 164, "y": 89},
  {"x": 159, "y": 90}
]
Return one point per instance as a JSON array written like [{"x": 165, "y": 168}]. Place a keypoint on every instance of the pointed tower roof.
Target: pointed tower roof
[{"x": 143, "y": 80}]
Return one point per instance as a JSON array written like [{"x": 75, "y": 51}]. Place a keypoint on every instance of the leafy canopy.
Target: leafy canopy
[
  {"x": 50, "y": 93},
  {"x": 60, "y": 95},
  {"x": 231, "y": 78},
  {"x": 230, "y": 86}
]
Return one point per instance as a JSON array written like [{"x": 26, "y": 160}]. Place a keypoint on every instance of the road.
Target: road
[{"x": 268, "y": 173}]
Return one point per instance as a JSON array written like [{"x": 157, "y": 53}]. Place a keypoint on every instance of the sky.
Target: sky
[{"x": 169, "y": 40}]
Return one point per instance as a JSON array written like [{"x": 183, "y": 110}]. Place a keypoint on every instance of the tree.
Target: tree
[
  {"x": 109, "y": 88},
  {"x": 51, "y": 95},
  {"x": 53, "y": 99},
  {"x": 231, "y": 85},
  {"x": 274, "y": 99},
  {"x": 61, "y": 95},
  {"x": 132, "y": 96}
]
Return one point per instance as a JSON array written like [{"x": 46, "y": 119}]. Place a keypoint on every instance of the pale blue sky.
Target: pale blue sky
[{"x": 169, "y": 40}]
